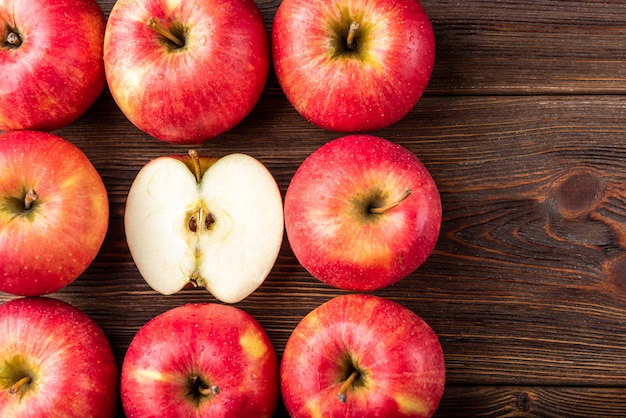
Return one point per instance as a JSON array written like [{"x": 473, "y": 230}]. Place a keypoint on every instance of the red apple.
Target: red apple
[
  {"x": 54, "y": 212},
  {"x": 353, "y": 65},
  {"x": 51, "y": 67},
  {"x": 54, "y": 361},
  {"x": 200, "y": 360},
  {"x": 362, "y": 356},
  {"x": 186, "y": 71},
  {"x": 362, "y": 212}
]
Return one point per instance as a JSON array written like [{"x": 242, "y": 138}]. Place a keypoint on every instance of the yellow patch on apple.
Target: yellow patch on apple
[
  {"x": 410, "y": 406},
  {"x": 252, "y": 343}
]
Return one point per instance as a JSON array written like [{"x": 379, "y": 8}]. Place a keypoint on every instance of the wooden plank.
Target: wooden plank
[
  {"x": 512, "y": 47},
  {"x": 519, "y": 401}
]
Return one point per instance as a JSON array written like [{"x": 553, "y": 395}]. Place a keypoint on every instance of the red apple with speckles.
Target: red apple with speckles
[
  {"x": 54, "y": 361},
  {"x": 353, "y": 65},
  {"x": 54, "y": 212},
  {"x": 362, "y": 213},
  {"x": 200, "y": 360},
  {"x": 186, "y": 71},
  {"x": 362, "y": 356},
  {"x": 51, "y": 66}
]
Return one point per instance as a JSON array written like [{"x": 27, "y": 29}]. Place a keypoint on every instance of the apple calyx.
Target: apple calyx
[
  {"x": 20, "y": 385},
  {"x": 174, "y": 37},
  {"x": 353, "y": 33},
  {"x": 385, "y": 208},
  {"x": 199, "y": 389},
  {"x": 13, "y": 38}
]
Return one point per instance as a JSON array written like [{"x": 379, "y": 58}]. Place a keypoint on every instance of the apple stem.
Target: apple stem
[
  {"x": 353, "y": 32},
  {"x": 158, "y": 28},
  {"x": 383, "y": 209},
  {"x": 31, "y": 196},
  {"x": 197, "y": 170},
  {"x": 13, "y": 39},
  {"x": 209, "y": 391},
  {"x": 346, "y": 385},
  {"x": 19, "y": 385}
]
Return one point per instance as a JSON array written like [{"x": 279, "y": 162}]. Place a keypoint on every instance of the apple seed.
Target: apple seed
[
  {"x": 209, "y": 220},
  {"x": 385, "y": 208}
]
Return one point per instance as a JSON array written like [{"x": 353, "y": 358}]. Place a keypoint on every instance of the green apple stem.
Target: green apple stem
[
  {"x": 346, "y": 385},
  {"x": 353, "y": 32},
  {"x": 197, "y": 170},
  {"x": 158, "y": 28},
  {"x": 17, "y": 386},
  {"x": 383, "y": 209},
  {"x": 29, "y": 199}
]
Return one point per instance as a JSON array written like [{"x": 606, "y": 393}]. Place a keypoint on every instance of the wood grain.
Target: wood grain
[{"x": 523, "y": 129}]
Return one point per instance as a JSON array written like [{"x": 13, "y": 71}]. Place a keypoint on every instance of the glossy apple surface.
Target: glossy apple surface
[
  {"x": 54, "y": 361},
  {"x": 353, "y": 65},
  {"x": 362, "y": 212},
  {"x": 200, "y": 360},
  {"x": 54, "y": 213},
  {"x": 362, "y": 356},
  {"x": 51, "y": 66},
  {"x": 209, "y": 222},
  {"x": 196, "y": 73}
]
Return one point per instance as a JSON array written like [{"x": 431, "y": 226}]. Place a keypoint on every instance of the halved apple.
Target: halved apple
[{"x": 209, "y": 222}]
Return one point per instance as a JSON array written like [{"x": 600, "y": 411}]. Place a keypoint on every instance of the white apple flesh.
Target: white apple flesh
[{"x": 210, "y": 222}]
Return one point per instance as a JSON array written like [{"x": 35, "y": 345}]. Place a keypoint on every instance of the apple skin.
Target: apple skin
[
  {"x": 328, "y": 218},
  {"x": 218, "y": 346},
  {"x": 368, "y": 88},
  {"x": 191, "y": 94},
  {"x": 57, "y": 72},
  {"x": 66, "y": 354},
  {"x": 173, "y": 244},
  {"x": 47, "y": 247},
  {"x": 397, "y": 356}
]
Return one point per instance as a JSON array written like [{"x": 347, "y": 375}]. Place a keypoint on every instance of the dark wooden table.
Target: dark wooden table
[{"x": 523, "y": 127}]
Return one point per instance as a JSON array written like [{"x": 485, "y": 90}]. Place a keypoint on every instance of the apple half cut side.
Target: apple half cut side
[{"x": 208, "y": 222}]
